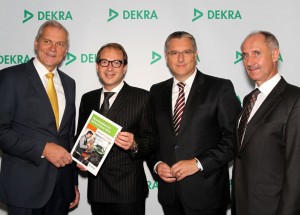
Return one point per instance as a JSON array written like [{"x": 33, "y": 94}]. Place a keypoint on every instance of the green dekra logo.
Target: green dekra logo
[
  {"x": 217, "y": 14},
  {"x": 132, "y": 14},
  {"x": 14, "y": 59},
  {"x": 48, "y": 15}
]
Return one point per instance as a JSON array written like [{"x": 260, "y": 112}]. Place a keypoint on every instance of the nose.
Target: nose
[{"x": 180, "y": 56}]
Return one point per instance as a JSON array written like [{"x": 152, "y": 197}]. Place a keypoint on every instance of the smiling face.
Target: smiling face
[
  {"x": 181, "y": 58},
  {"x": 109, "y": 75},
  {"x": 51, "y": 47},
  {"x": 260, "y": 60}
]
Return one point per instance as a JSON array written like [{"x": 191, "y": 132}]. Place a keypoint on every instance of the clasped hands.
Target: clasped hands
[{"x": 178, "y": 171}]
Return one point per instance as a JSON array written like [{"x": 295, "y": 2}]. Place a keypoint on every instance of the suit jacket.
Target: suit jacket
[
  {"x": 121, "y": 178},
  {"x": 266, "y": 168},
  {"x": 27, "y": 123},
  {"x": 206, "y": 132}
]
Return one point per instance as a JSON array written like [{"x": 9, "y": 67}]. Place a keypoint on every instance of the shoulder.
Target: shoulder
[
  {"x": 161, "y": 85},
  {"x": 135, "y": 92},
  {"x": 92, "y": 94},
  {"x": 214, "y": 80}
]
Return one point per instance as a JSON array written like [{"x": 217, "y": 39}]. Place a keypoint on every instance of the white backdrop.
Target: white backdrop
[{"x": 142, "y": 26}]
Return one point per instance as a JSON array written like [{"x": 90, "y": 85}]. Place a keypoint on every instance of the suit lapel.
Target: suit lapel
[
  {"x": 120, "y": 102},
  {"x": 67, "y": 98},
  {"x": 196, "y": 94},
  {"x": 39, "y": 88},
  {"x": 264, "y": 110},
  {"x": 166, "y": 96}
]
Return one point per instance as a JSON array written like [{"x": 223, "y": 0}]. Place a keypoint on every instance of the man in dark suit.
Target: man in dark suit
[
  {"x": 266, "y": 168},
  {"x": 120, "y": 188},
  {"x": 35, "y": 138},
  {"x": 192, "y": 163}
]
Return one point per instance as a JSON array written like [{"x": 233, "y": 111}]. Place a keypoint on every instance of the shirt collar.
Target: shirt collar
[
  {"x": 116, "y": 89},
  {"x": 268, "y": 86},
  {"x": 188, "y": 81},
  {"x": 41, "y": 69}
]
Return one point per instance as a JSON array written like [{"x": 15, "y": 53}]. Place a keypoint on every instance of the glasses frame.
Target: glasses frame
[
  {"x": 110, "y": 62},
  {"x": 185, "y": 53}
]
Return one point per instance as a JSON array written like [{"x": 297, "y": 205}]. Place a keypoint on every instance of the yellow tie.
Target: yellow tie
[{"x": 53, "y": 97}]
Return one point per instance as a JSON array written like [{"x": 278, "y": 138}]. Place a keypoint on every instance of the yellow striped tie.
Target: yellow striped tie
[{"x": 53, "y": 97}]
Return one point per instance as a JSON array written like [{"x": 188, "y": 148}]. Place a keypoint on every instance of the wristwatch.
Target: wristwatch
[{"x": 134, "y": 148}]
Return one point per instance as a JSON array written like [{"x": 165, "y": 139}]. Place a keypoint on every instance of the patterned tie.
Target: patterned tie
[
  {"x": 179, "y": 107},
  {"x": 53, "y": 97},
  {"x": 246, "y": 114},
  {"x": 105, "y": 105}
]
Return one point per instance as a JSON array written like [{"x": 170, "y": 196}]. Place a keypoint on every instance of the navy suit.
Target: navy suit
[
  {"x": 27, "y": 123},
  {"x": 206, "y": 132}
]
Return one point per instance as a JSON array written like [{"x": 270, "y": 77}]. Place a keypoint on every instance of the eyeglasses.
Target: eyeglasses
[
  {"x": 114, "y": 63},
  {"x": 185, "y": 53}
]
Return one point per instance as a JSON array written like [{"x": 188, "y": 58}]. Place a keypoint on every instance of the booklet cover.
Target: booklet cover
[{"x": 95, "y": 141}]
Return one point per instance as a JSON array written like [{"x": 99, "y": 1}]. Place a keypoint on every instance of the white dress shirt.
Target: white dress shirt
[
  {"x": 111, "y": 100},
  {"x": 42, "y": 71},
  {"x": 265, "y": 90}
]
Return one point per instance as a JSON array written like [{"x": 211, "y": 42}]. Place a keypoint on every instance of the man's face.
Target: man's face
[
  {"x": 259, "y": 60},
  {"x": 51, "y": 47},
  {"x": 181, "y": 58},
  {"x": 111, "y": 76}
]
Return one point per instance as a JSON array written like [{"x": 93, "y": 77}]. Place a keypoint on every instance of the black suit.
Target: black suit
[
  {"x": 27, "y": 123},
  {"x": 206, "y": 132},
  {"x": 266, "y": 169},
  {"x": 121, "y": 178}
]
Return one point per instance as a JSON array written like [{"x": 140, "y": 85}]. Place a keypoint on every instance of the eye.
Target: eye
[
  {"x": 245, "y": 56},
  {"x": 46, "y": 41},
  {"x": 173, "y": 53},
  {"x": 61, "y": 44},
  {"x": 187, "y": 52},
  {"x": 257, "y": 53}
]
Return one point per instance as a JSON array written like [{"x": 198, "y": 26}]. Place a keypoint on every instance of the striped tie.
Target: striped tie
[
  {"x": 179, "y": 107},
  {"x": 246, "y": 113}
]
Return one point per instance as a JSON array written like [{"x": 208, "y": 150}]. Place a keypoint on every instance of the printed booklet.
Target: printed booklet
[{"x": 94, "y": 142}]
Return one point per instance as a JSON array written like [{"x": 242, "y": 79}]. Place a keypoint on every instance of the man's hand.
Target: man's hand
[
  {"x": 76, "y": 200},
  {"x": 81, "y": 167},
  {"x": 57, "y": 155},
  {"x": 184, "y": 168},
  {"x": 164, "y": 172},
  {"x": 125, "y": 140}
]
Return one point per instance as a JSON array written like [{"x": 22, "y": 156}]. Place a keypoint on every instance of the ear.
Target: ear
[
  {"x": 125, "y": 69},
  {"x": 275, "y": 55},
  {"x": 35, "y": 45}
]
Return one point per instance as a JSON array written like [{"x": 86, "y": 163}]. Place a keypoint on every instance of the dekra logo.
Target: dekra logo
[
  {"x": 48, "y": 15},
  {"x": 132, "y": 14},
  {"x": 217, "y": 14},
  {"x": 14, "y": 59}
]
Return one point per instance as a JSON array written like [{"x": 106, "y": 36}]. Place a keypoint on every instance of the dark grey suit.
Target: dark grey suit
[
  {"x": 266, "y": 169},
  {"x": 206, "y": 132},
  {"x": 121, "y": 178},
  {"x": 27, "y": 123}
]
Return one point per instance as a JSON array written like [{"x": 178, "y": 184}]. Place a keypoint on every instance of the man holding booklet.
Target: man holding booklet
[{"x": 120, "y": 186}]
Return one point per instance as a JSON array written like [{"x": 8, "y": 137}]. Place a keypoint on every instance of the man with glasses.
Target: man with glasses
[
  {"x": 120, "y": 186},
  {"x": 195, "y": 115}
]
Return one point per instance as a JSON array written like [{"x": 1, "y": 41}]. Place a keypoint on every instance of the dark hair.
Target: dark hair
[
  {"x": 115, "y": 46},
  {"x": 89, "y": 132}
]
